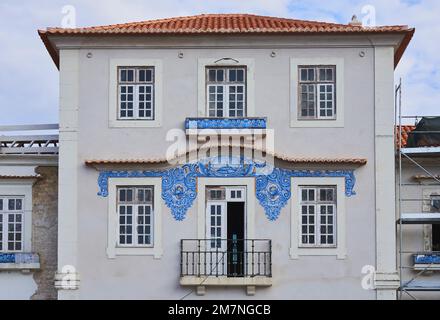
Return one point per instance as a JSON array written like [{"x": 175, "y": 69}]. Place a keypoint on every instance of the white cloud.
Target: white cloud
[{"x": 28, "y": 81}]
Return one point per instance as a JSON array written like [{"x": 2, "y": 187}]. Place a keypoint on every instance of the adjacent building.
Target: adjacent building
[
  {"x": 28, "y": 212},
  {"x": 418, "y": 200}
]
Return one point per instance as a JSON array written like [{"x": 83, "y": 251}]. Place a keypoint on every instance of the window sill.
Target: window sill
[
  {"x": 339, "y": 253},
  {"x": 112, "y": 253},
  {"x": 135, "y": 124},
  {"x": 324, "y": 123}
]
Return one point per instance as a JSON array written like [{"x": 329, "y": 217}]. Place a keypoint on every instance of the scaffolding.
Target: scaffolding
[{"x": 424, "y": 263}]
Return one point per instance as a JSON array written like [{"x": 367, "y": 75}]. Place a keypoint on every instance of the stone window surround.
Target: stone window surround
[
  {"x": 112, "y": 249},
  {"x": 113, "y": 93},
  {"x": 249, "y": 63},
  {"x": 22, "y": 188},
  {"x": 296, "y": 251},
  {"x": 294, "y": 81}
]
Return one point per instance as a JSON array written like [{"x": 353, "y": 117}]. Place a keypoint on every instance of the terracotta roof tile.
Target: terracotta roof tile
[
  {"x": 280, "y": 156},
  {"x": 425, "y": 177},
  {"x": 225, "y": 24},
  {"x": 355, "y": 161},
  {"x": 405, "y": 132}
]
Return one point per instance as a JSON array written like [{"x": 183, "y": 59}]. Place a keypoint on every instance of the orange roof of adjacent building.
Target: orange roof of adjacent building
[
  {"x": 406, "y": 130},
  {"x": 226, "y": 24}
]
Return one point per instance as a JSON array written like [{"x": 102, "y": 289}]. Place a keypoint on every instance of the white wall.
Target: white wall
[{"x": 16, "y": 286}]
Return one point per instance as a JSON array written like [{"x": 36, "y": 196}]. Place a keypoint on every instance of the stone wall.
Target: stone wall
[{"x": 45, "y": 231}]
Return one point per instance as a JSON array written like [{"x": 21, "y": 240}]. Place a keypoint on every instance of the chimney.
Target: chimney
[{"x": 355, "y": 22}]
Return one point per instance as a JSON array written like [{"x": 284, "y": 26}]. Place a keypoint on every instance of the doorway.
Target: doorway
[{"x": 226, "y": 228}]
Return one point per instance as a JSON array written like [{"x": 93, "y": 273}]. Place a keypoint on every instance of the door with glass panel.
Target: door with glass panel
[{"x": 225, "y": 231}]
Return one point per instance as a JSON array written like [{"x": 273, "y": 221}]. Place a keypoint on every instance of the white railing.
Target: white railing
[{"x": 25, "y": 144}]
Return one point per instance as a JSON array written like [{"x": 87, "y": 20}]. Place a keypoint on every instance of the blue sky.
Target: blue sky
[{"x": 29, "y": 79}]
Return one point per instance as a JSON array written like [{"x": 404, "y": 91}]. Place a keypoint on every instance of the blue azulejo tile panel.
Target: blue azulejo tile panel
[
  {"x": 19, "y": 258},
  {"x": 225, "y": 123},
  {"x": 427, "y": 258},
  {"x": 273, "y": 190}
]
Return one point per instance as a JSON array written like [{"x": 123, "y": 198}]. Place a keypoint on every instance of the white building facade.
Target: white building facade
[{"x": 303, "y": 209}]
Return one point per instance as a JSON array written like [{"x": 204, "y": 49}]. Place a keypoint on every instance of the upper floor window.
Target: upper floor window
[
  {"x": 317, "y": 92},
  {"x": 135, "y": 214},
  {"x": 226, "y": 92},
  {"x": 11, "y": 224},
  {"x": 136, "y": 91},
  {"x": 318, "y": 216}
]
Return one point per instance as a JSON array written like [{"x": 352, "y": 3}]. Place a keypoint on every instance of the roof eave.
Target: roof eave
[
  {"x": 50, "y": 48},
  {"x": 403, "y": 46},
  {"x": 44, "y": 35}
]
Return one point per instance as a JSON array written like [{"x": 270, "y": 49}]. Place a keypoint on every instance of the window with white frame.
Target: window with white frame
[
  {"x": 11, "y": 224},
  {"x": 226, "y": 92},
  {"x": 318, "y": 216},
  {"x": 135, "y": 207},
  {"x": 317, "y": 92},
  {"x": 136, "y": 93}
]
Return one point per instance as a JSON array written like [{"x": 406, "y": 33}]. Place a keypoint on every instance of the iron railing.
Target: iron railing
[{"x": 226, "y": 258}]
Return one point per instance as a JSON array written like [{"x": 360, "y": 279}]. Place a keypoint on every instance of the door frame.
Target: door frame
[
  {"x": 224, "y": 206},
  {"x": 249, "y": 183}
]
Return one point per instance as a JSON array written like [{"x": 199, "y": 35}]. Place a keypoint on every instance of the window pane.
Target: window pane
[
  {"x": 216, "y": 100},
  {"x": 18, "y": 204},
  {"x": 307, "y": 101},
  {"x": 11, "y": 204},
  {"x": 123, "y": 75},
  {"x": 211, "y": 75},
  {"x": 240, "y": 75},
  {"x": 307, "y": 74},
  {"x": 232, "y": 75},
  {"x": 127, "y": 75},
  {"x": 129, "y": 195},
  {"x": 220, "y": 75},
  {"x": 145, "y": 75},
  {"x": 326, "y": 96},
  {"x": 303, "y": 76}
]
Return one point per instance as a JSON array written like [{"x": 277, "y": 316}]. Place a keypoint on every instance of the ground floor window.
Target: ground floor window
[
  {"x": 11, "y": 223},
  {"x": 135, "y": 212},
  {"x": 318, "y": 217},
  {"x": 134, "y": 217}
]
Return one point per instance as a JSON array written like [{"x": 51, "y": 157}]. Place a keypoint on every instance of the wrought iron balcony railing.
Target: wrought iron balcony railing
[{"x": 226, "y": 258}]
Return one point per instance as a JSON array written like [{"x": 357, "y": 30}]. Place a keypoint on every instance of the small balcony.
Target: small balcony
[
  {"x": 226, "y": 125},
  {"x": 218, "y": 262},
  {"x": 19, "y": 261}
]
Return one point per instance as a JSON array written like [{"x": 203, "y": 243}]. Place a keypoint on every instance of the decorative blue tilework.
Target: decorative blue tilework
[
  {"x": 19, "y": 258},
  {"x": 427, "y": 259},
  {"x": 222, "y": 123},
  {"x": 179, "y": 185}
]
